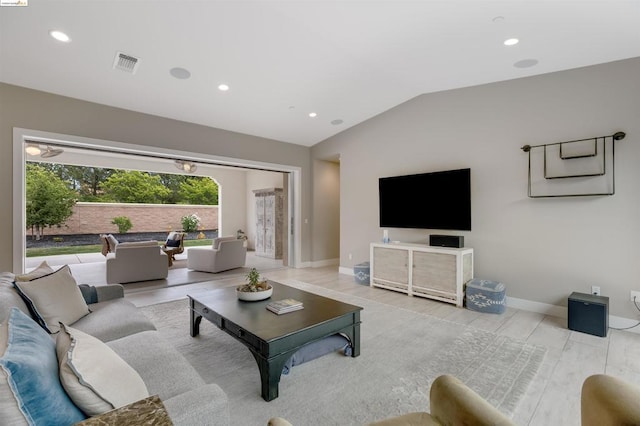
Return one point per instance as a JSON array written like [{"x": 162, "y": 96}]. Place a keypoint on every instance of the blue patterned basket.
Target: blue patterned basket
[
  {"x": 361, "y": 272},
  {"x": 486, "y": 296}
]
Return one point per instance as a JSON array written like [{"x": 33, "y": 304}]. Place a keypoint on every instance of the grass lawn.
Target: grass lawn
[{"x": 53, "y": 251}]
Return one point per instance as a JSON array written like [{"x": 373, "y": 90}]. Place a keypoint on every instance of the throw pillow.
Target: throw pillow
[
  {"x": 42, "y": 270},
  {"x": 95, "y": 377},
  {"x": 54, "y": 298},
  {"x": 113, "y": 243},
  {"x": 30, "y": 377},
  {"x": 105, "y": 245},
  {"x": 173, "y": 243}
]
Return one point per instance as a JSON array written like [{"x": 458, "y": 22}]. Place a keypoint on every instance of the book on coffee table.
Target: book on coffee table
[{"x": 285, "y": 305}]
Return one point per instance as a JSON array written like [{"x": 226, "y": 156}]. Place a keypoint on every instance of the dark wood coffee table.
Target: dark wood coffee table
[{"x": 271, "y": 338}]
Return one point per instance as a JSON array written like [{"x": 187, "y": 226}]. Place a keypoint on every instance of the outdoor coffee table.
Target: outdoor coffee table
[{"x": 271, "y": 338}]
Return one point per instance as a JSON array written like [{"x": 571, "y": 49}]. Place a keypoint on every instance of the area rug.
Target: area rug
[{"x": 402, "y": 352}]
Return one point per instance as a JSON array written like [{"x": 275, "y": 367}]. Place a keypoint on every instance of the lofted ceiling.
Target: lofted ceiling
[{"x": 347, "y": 61}]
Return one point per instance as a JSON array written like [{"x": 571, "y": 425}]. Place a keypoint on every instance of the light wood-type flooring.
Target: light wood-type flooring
[{"x": 553, "y": 398}]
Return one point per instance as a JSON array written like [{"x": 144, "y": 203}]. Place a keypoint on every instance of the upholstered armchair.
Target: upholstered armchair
[
  {"x": 609, "y": 401},
  {"x": 136, "y": 261},
  {"x": 173, "y": 245},
  {"x": 452, "y": 403},
  {"x": 225, "y": 253}
]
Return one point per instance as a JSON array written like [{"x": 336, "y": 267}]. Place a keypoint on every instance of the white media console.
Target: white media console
[{"x": 420, "y": 270}]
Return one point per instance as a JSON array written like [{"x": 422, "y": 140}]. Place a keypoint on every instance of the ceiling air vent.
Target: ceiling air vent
[{"x": 126, "y": 63}]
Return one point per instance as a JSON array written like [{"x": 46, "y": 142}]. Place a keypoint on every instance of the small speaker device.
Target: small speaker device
[
  {"x": 588, "y": 314},
  {"x": 456, "y": 241}
]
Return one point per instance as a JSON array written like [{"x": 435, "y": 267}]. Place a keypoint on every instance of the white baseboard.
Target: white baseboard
[
  {"x": 326, "y": 262},
  {"x": 345, "y": 270},
  {"x": 539, "y": 307},
  {"x": 545, "y": 308},
  {"x": 319, "y": 263}
]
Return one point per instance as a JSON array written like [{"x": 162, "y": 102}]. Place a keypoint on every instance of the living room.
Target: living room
[{"x": 541, "y": 249}]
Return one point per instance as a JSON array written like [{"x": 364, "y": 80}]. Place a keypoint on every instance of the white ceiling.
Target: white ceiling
[{"x": 346, "y": 60}]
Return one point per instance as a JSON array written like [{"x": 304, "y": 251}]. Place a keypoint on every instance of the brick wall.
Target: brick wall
[{"x": 95, "y": 218}]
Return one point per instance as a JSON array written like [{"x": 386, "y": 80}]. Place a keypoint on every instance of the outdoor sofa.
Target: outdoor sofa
[{"x": 119, "y": 336}]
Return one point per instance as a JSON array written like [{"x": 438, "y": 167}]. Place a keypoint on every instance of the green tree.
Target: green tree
[
  {"x": 134, "y": 187},
  {"x": 173, "y": 182},
  {"x": 85, "y": 180},
  {"x": 49, "y": 200},
  {"x": 199, "y": 190}
]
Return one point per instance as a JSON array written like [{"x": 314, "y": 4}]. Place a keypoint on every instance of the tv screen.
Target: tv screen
[{"x": 438, "y": 200}]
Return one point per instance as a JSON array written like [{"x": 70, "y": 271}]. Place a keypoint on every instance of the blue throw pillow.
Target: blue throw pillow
[
  {"x": 173, "y": 243},
  {"x": 31, "y": 364}
]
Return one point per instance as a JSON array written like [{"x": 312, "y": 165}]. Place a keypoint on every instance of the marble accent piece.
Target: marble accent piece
[{"x": 148, "y": 411}]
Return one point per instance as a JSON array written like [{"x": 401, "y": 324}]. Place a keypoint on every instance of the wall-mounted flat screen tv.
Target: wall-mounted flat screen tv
[{"x": 438, "y": 200}]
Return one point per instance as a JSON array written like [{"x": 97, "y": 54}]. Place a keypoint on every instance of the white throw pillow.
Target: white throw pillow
[
  {"x": 42, "y": 270},
  {"x": 95, "y": 377},
  {"x": 54, "y": 298}
]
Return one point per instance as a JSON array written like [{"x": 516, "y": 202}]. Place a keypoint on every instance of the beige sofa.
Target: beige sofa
[
  {"x": 129, "y": 333},
  {"x": 225, "y": 253},
  {"x": 136, "y": 261}
]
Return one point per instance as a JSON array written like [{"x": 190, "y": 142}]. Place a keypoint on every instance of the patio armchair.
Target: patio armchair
[
  {"x": 173, "y": 245},
  {"x": 136, "y": 261},
  {"x": 225, "y": 253}
]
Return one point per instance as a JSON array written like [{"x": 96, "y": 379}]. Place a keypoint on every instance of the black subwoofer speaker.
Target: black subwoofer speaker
[
  {"x": 456, "y": 241},
  {"x": 589, "y": 314}
]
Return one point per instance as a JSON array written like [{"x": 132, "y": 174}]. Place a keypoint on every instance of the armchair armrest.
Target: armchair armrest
[
  {"x": 608, "y": 401},
  {"x": 454, "y": 403},
  {"x": 102, "y": 293}
]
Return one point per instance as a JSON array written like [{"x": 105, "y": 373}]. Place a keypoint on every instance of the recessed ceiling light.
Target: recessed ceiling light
[
  {"x": 60, "y": 36},
  {"x": 526, "y": 63},
  {"x": 313, "y": 114},
  {"x": 223, "y": 87},
  {"x": 511, "y": 42},
  {"x": 337, "y": 122},
  {"x": 180, "y": 73}
]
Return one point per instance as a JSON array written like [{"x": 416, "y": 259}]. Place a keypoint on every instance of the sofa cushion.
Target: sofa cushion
[
  {"x": 10, "y": 298},
  {"x": 40, "y": 271},
  {"x": 54, "y": 298},
  {"x": 113, "y": 319},
  {"x": 95, "y": 377},
  {"x": 31, "y": 369},
  {"x": 164, "y": 370}
]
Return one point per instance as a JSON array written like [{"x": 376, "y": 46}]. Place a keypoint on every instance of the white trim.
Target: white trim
[
  {"x": 326, "y": 262},
  {"x": 539, "y": 307},
  {"x": 20, "y": 135},
  {"x": 346, "y": 271}
]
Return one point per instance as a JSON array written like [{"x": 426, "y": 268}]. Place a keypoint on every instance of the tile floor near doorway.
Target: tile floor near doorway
[{"x": 553, "y": 397}]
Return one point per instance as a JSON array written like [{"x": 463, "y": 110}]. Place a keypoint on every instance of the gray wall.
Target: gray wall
[
  {"x": 542, "y": 249},
  {"x": 30, "y": 109},
  {"x": 326, "y": 211}
]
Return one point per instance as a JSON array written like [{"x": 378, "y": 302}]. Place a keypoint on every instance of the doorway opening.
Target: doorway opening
[{"x": 237, "y": 178}]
